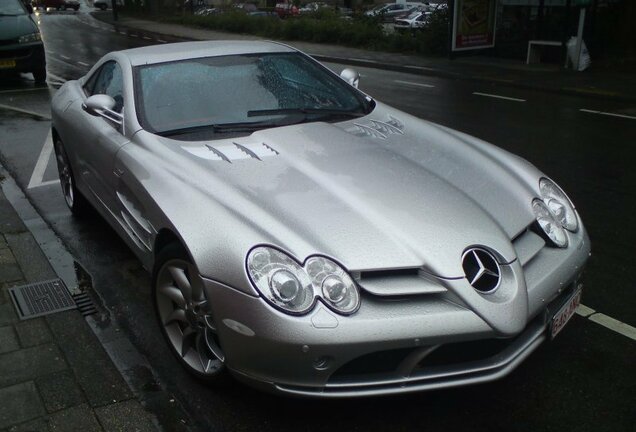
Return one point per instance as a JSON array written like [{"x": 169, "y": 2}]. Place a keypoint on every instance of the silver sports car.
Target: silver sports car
[{"x": 307, "y": 238}]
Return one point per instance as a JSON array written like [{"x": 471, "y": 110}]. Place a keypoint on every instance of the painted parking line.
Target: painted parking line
[
  {"x": 606, "y": 321},
  {"x": 607, "y": 114},
  {"x": 37, "y": 176},
  {"x": 414, "y": 83},
  {"x": 499, "y": 97}
]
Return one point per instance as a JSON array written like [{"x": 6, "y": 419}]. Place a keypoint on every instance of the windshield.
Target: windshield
[
  {"x": 11, "y": 7},
  {"x": 262, "y": 90}
]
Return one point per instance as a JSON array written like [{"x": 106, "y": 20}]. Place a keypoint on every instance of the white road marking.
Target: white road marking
[
  {"x": 414, "y": 83},
  {"x": 23, "y": 111},
  {"x": 499, "y": 97},
  {"x": 614, "y": 325},
  {"x": 122, "y": 33},
  {"x": 83, "y": 64},
  {"x": 37, "y": 176},
  {"x": 161, "y": 41},
  {"x": 65, "y": 57},
  {"x": 146, "y": 37},
  {"x": 133, "y": 35},
  {"x": 608, "y": 114},
  {"x": 584, "y": 311}
]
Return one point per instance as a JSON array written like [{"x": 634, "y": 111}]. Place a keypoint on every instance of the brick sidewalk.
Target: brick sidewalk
[{"x": 54, "y": 374}]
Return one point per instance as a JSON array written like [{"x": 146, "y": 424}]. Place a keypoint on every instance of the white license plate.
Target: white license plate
[
  {"x": 7, "y": 64},
  {"x": 560, "y": 319}
]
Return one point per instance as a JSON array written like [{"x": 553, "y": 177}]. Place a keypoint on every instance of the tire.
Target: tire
[
  {"x": 74, "y": 199},
  {"x": 39, "y": 75},
  {"x": 184, "y": 316}
]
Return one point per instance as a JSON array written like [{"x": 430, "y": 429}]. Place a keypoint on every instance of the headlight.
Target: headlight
[
  {"x": 549, "y": 224},
  {"x": 558, "y": 204},
  {"x": 293, "y": 288},
  {"x": 281, "y": 280},
  {"x": 33, "y": 37},
  {"x": 337, "y": 289}
]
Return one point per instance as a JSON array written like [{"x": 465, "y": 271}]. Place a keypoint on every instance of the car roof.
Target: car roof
[{"x": 187, "y": 50}]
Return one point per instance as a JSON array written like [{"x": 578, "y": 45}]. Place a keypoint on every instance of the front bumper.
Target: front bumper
[
  {"x": 391, "y": 345},
  {"x": 22, "y": 57}
]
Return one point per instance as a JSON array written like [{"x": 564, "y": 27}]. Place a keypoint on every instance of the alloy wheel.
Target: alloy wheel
[{"x": 186, "y": 317}]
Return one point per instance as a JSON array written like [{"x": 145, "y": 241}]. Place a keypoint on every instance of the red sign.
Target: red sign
[{"x": 474, "y": 24}]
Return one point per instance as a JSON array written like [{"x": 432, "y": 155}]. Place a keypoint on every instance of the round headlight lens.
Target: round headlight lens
[
  {"x": 293, "y": 288},
  {"x": 550, "y": 225},
  {"x": 558, "y": 204},
  {"x": 339, "y": 291},
  {"x": 281, "y": 280}
]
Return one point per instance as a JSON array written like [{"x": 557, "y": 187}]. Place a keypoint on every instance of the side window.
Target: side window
[{"x": 109, "y": 81}]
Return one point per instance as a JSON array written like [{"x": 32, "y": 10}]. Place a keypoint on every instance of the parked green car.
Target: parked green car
[{"x": 21, "y": 47}]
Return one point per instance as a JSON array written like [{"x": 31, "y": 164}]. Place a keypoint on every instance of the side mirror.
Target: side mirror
[
  {"x": 351, "y": 76},
  {"x": 102, "y": 105}
]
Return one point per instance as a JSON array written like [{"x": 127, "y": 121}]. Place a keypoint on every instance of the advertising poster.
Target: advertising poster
[{"x": 474, "y": 24}]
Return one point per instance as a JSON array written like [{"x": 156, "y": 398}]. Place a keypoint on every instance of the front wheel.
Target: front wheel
[
  {"x": 73, "y": 197},
  {"x": 185, "y": 315}
]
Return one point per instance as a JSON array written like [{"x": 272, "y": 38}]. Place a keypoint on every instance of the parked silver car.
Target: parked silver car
[{"x": 307, "y": 238}]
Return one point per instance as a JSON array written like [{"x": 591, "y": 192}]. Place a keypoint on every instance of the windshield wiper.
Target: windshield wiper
[
  {"x": 305, "y": 111},
  {"x": 227, "y": 127}
]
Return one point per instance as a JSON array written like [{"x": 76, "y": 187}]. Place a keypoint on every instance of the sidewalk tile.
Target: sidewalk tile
[
  {"x": 37, "y": 425},
  {"x": 8, "y": 340},
  {"x": 30, "y": 257},
  {"x": 96, "y": 374},
  {"x": 7, "y": 314},
  {"x": 19, "y": 403},
  {"x": 59, "y": 391},
  {"x": 33, "y": 332},
  {"x": 9, "y": 269},
  {"x": 125, "y": 416},
  {"x": 9, "y": 220},
  {"x": 76, "y": 419},
  {"x": 29, "y": 363}
]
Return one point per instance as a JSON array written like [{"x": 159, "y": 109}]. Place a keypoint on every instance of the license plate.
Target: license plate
[
  {"x": 6, "y": 64},
  {"x": 560, "y": 319}
]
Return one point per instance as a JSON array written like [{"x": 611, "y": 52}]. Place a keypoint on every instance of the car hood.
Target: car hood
[
  {"x": 12, "y": 27},
  {"x": 382, "y": 192}
]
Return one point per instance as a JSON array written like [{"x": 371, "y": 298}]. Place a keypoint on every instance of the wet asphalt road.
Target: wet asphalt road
[{"x": 584, "y": 380}]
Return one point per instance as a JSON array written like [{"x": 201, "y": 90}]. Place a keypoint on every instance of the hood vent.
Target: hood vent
[
  {"x": 399, "y": 282},
  {"x": 378, "y": 129},
  {"x": 232, "y": 152}
]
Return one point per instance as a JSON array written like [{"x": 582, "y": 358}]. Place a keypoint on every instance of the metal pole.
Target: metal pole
[{"x": 579, "y": 40}]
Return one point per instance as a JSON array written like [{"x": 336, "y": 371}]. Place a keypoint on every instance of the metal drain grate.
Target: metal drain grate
[
  {"x": 41, "y": 298},
  {"x": 84, "y": 304}
]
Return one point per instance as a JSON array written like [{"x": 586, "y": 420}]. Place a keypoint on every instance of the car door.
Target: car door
[{"x": 103, "y": 138}]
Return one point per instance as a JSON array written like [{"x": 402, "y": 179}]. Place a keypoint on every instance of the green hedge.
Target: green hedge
[{"x": 326, "y": 27}]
